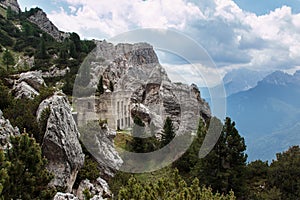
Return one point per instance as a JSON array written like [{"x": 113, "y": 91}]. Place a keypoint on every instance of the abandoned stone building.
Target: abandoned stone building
[{"x": 114, "y": 107}]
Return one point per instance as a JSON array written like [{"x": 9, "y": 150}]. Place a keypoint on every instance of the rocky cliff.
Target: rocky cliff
[
  {"x": 41, "y": 20},
  {"x": 13, "y": 4},
  {"x": 61, "y": 144},
  {"x": 135, "y": 69}
]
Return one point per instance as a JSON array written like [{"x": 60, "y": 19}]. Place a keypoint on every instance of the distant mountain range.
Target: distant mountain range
[
  {"x": 268, "y": 115},
  {"x": 242, "y": 79}
]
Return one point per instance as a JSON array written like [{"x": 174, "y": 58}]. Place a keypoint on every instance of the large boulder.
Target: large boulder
[
  {"x": 28, "y": 84},
  {"x": 99, "y": 141},
  {"x": 64, "y": 196},
  {"x": 6, "y": 131},
  {"x": 61, "y": 141}
]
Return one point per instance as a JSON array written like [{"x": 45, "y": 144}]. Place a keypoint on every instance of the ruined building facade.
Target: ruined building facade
[{"x": 114, "y": 107}]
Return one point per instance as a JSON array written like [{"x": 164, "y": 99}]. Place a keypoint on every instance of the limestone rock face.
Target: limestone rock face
[
  {"x": 6, "y": 130},
  {"x": 99, "y": 142},
  {"x": 28, "y": 84},
  {"x": 11, "y": 3},
  {"x": 41, "y": 20},
  {"x": 61, "y": 144},
  {"x": 135, "y": 69},
  {"x": 64, "y": 196}
]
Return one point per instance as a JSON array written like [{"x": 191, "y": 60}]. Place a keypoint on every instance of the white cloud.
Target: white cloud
[{"x": 232, "y": 36}]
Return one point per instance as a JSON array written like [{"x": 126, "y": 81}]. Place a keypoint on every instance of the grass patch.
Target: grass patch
[
  {"x": 165, "y": 172},
  {"x": 121, "y": 139}
]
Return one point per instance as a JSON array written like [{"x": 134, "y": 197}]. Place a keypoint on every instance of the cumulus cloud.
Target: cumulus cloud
[{"x": 233, "y": 37}]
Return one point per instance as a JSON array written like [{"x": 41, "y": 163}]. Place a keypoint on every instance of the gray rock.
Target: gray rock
[
  {"x": 11, "y": 3},
  {"x": 6, "y": 130},
  {"x": 61, "y": 141},
  {"x": 41, "y": 20},
  {"x": 28, "y": 84},
  {"x": 98, "y": 190},
  {"x": 55, "y": 72},
  {"x": 64, "y": 196},
  {"x": 34, "y": 79},
  {"x": 24, "y": 91},
  {"x": 99, "y": 142}
]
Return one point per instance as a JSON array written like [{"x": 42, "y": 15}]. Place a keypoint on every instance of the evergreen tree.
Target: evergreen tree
[
  {"x": 6, "y": 98},
  {"x": 111, "y": 86},
  {"x": 100, "y": 88},
  {"x": 9, "y": 13},
  {"x": 187, "y": 162},
  {"x": 3, "y": 171},
  {"x": 27, "y": 29},
  {"x": 284, "y": 173},
  {"x": 76, "y": 40},
  {"x": 8, "y": 59},
  {"x": 168, "y": 133},
  {"x": 138, "y": 129},
  {"x": 42, "y": 52},
  {"x": 224, "y": 167},
  {"x": 73, "y": 51},
  {"x": 28, "y": 177}
]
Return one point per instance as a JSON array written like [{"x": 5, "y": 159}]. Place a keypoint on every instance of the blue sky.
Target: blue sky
[{"x": 256, "y": 34}]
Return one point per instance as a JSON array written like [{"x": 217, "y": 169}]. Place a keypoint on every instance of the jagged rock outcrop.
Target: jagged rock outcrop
[
  {"x": 135, "y": 69},
  {"x": 11, "y": 3},
  {"x": 64, "y": 196},
  {"x": 28, "y": 84},
  {"x": 98, "y": 140},
  {"x": 41, "y": 20},
  {"x": 55, "y": 72},
  {"x": 98, "y": 190},
  {"x": 61, "y": 144},
  {"x": 6, "y": 130}
]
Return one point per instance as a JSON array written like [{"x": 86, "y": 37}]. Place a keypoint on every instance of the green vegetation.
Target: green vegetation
[
  {"x": 8, "y": 59},
  {"x": 173, "y": 187},
  {"x": 24, "y": 172},
  {"x": 168, "y": 133},
  {"x": 139, "y": 144}
]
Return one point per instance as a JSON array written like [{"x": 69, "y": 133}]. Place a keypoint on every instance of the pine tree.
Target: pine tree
[
  {"x": 111, "y": 86},
  {"x": 8, "y": 59},
  {"x": 100, "y": 88},
  {"x": 189, "y": 159},
  {"x": 3, "y": 171},
  {"x": 28, "y": 177},
  {"x": 224, "y": 167},
  {"x": 137, "y": 144},
  {"x": 9, "y": 13},
  {"x": 42, "y": 52},
  {"x": 168, "y": 133},
  {"x": 284, "y": 172}
]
